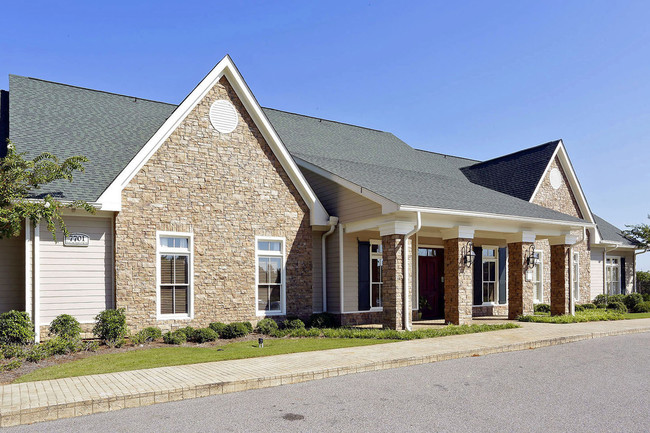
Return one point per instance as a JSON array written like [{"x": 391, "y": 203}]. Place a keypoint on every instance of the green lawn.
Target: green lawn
[
  {"x": 581, "y": 316},
  {"x": 175, "y": 355},
  {"x": 636, "y": 315}
]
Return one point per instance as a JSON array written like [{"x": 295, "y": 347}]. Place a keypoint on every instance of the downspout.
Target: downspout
[
  {"x": 37, "y": 281},
  {"x": 405, "y": 279},
  {"x": 333, "y": 221}
]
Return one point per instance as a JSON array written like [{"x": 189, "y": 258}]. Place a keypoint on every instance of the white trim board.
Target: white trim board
[{"x": 111, "y": 198}]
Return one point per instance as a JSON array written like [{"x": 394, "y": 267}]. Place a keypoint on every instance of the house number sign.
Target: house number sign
[{"x": 76, "y": 240}]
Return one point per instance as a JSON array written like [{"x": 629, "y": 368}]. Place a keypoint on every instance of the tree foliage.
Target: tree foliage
[
  {"x": 20, "y": 179},
  {"x": 639, "y": 235}
]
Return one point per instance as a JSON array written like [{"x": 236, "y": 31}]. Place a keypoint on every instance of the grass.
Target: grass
[
  {"x": 180, "y": 355},
  {"x": 636, "y": 315},
  {"x": 581, "y": 316}
]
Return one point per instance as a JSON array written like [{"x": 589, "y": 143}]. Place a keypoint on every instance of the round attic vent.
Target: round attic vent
[
  {"x": 223, "y": 116},
  {"x": 556, "y": 178}
]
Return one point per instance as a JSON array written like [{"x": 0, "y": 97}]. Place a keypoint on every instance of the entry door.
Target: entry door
[{"x": 431, "y": 264}]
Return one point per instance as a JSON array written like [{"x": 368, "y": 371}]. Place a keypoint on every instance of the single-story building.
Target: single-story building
[{"x": 220, "y": 210}]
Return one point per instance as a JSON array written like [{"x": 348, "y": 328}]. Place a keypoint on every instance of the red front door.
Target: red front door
[{"x": 431, "y": 263}]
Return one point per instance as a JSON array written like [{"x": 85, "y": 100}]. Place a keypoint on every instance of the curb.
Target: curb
[{"x": 105, "y": 404}]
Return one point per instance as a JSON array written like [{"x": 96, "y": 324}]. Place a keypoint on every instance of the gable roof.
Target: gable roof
[
  {"x": 516, "y": 174},
  {"x": 611, "y": 233},
  {"x": 118, "y": 133}
]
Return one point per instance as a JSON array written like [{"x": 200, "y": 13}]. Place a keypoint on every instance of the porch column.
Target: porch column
[
  {"x": 393, "y": 275},
  {"x": 560, "y": 274},
  {"x": 458, "y": 279},
  {"x": 520, "y": 289}
]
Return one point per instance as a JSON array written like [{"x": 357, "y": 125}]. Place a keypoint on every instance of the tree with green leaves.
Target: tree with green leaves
[
  {"x": 639, "y": 235},
  {"x": 20, "y": 180}
]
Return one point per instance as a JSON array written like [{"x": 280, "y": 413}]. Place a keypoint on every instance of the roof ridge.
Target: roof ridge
[
  {"x": 94, "y": 90},
  {"x": 515, "y": 153},
  {"x": 445, "y": 155},
  {"x": 326, "y": 120}
]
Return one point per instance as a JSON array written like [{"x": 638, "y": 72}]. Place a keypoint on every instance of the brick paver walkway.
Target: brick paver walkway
[{"x": 62, "y": 398}]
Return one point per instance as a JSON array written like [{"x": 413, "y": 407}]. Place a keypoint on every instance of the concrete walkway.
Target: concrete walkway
[{"x": 63, "y": 398}]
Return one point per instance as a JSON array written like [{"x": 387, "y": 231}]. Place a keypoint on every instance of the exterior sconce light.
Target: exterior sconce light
[
  {"x": 531, "y": 260},
  {"x": 468, "y": 254}
]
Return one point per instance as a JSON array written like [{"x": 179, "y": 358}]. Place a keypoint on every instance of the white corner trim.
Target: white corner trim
[
  {"x": 574, "y": 183},
  {"x": 29, "y": 293},
  {"x": 341, "y": 270},
  {"x": 461, "y": 232},
  {"x": 524, "y": 236},
  {"x": 37, "y": 281},
  {"x": 111, "y": 198},
  {"x": 396, "y": 228}
]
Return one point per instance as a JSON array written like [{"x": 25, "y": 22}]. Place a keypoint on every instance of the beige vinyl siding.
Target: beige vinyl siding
[
  {"x": 76, "y": 280},
  {"x": 333, "y": 279},
  {"x": 597, "y": 286},
  {"x": 351, "y": 272},
  {"x": 317, "y": 270},
  {"x": 340, "y": 201},
  {"x": 12, "y": 273}
]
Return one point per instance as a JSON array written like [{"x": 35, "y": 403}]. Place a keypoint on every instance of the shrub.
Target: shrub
[
  {"x": 235, "y": 330},
  {"x": 588, "y": 306},
  {"x": 266, "y": 326},
  {"x": 542, "y": 308},
  {"x": 642, "y": 307},
  {"x": 16, "y": 328},
  {"x": 60, "y": 346},
  {"x": 293, "y": 324},
  {"x": 65, "y": 326},
  {"x": 175, "y": 337},
  {"x": 603, "y": 300},
  {"x": 90, "y": 346},
  {"x": 203, "y": 335},
  {"x": 35, "y": 353},
  {"x": 632, "y": 300},
  {"x": 618, "y": 307},
  {"x": 13, "y": 351},
  {"x": 322, "y": 320},
  {"x": 248, "y": 325},
  {"x": 11, "y": 365},
  {"x": 218, "y": 327},
  {"x": 147, "y": 335},
  {"x": 189, "y": 332},
  {"x": 646, "y": 297},
  {"x": 110, "y": 327}
]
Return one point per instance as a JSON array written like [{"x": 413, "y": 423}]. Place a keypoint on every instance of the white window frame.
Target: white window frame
[
  {"x": 575, "y": 275},
  {"x": 166, "y": 250},
  {"x": 608, "y": 266},
  {"x": 539, "y": 300},
  {"x": 381, "y": 290},
  {"x": 496, "y": 273},
  {"x": 283, "y": 286}
]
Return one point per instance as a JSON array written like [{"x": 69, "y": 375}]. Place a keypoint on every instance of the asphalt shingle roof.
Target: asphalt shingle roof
[
  {"x": 110, "y": 129},
  {"x": 516, "y": 174},
  {"x": 609, "y": 232}
]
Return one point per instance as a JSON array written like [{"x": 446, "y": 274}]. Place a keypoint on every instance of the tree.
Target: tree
[
  {"x": 639, "y": 235},
  {"x": 20, "y": 179},
  {"x": 643, "y": 277}
]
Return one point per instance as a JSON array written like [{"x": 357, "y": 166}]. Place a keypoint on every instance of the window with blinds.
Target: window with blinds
[
  {"x": 270, "y": 275},
  {"x": 175, "y": 263}
]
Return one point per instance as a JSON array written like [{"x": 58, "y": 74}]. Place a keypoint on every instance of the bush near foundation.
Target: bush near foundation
[
  {"x": 542, "y": 308},
  {"x": 65, "y": 326},
  {"x": 618, "y": 307},
  {"x": 236, "y": 330},
  {"x": 293, "y": 323},
  {"x": 204, "y": 335},
  {"x": 147, "y": 335},
  {"x": 175, "y": 337},
  {"x": 266, "y": 326},
  {"x": 110, "y": 327},
  {"x": 218, "y": 327},
  {"x": 322, "y": 320},
  {"x": 642, "y": 307},
  {"x": 601, "y": 301},
  {"x": 632, "y": 300},
  {"x": 16, "y": 328},
  {"x": 585, "y": 307}
]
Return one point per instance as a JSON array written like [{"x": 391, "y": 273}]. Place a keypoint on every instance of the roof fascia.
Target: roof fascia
[
  {"x": 111, "y": 198},
  {"x": 387, "y": 206},
  {"x": 574, "y": 183}
]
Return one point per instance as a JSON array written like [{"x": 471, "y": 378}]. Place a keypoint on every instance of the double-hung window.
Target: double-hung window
[
  {"x": 490, "y": 258},
  {"x": 174, "y": 274},
  {"x": 269, "y": 253},
  {"x": 538, "y": 277},
  {"x": 376, "y": 277},
  {"x": 613, "y": 275},
  {"x": 575, "y": 275}
]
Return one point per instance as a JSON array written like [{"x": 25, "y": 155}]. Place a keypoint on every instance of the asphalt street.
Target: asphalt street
[{"x": 591, "y": 386}]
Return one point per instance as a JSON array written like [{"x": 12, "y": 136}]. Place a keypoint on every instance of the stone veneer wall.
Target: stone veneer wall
[
  {"x": 560, "y": 288},
  {"x": 393, "y": 276},
  {"x": 520, "y": 293},
  {"x": 360, "y": 318},
  {"x": 225, "y": 189},
  {"x": 458, "y": 283},
  {"x": 563, "y": 200}
]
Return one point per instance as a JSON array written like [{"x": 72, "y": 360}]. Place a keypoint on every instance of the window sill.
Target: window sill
[
  {"x": 376, "y": 309},
  {"x": 174, "y": 317},
  {"x": 270, "y": 313}
]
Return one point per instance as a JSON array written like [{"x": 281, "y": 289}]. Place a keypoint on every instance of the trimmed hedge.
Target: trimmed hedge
[
  {"x": 542, "y": 308},
  {"x": 110, "y": 327},
  {"x": 65, "y": 326},
  {"x": 218, "y": 327},
  {"x": 642, "y": 307},
  {"x": 632, "y": 300},
  {"x": 266, "y": 326},
  {"x": 175, "y": 337},
  {"x": 618, "y": 307},
  {"x": 293, "y": 323},
  {"x": 16, "y": 328},
  {"x": 147, "y": 335},
  {"x": 203, "y": 335},
  {"x": 236, "y": 330}
]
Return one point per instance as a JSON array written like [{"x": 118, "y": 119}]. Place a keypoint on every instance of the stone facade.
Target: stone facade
[
  {"x": 393, "y": 279},
  {"x": 560, "y": 279},
  {"x": 225, "y": 189},
  {"x": 458, "y": 283},
  {"x": 520, "y": 291},
  {"x": 360, "y": 318}
]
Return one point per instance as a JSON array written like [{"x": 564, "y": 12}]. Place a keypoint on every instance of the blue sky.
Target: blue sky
[{"x": 474, "y": 79}]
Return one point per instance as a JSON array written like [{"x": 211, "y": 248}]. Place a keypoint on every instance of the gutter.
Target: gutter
[
  {"x": 406, "y": 298},
  {"x": 333, "y": 221}
]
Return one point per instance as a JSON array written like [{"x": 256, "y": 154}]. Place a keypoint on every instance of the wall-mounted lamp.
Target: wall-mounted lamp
[
  {"x": 468, "y": 254},
  {"x": 531, "y": 260}
]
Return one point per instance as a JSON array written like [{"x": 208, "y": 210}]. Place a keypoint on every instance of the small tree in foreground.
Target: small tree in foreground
[
  {"x": 20, "y": 179},
  {"x": 639, "y": 235}
]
